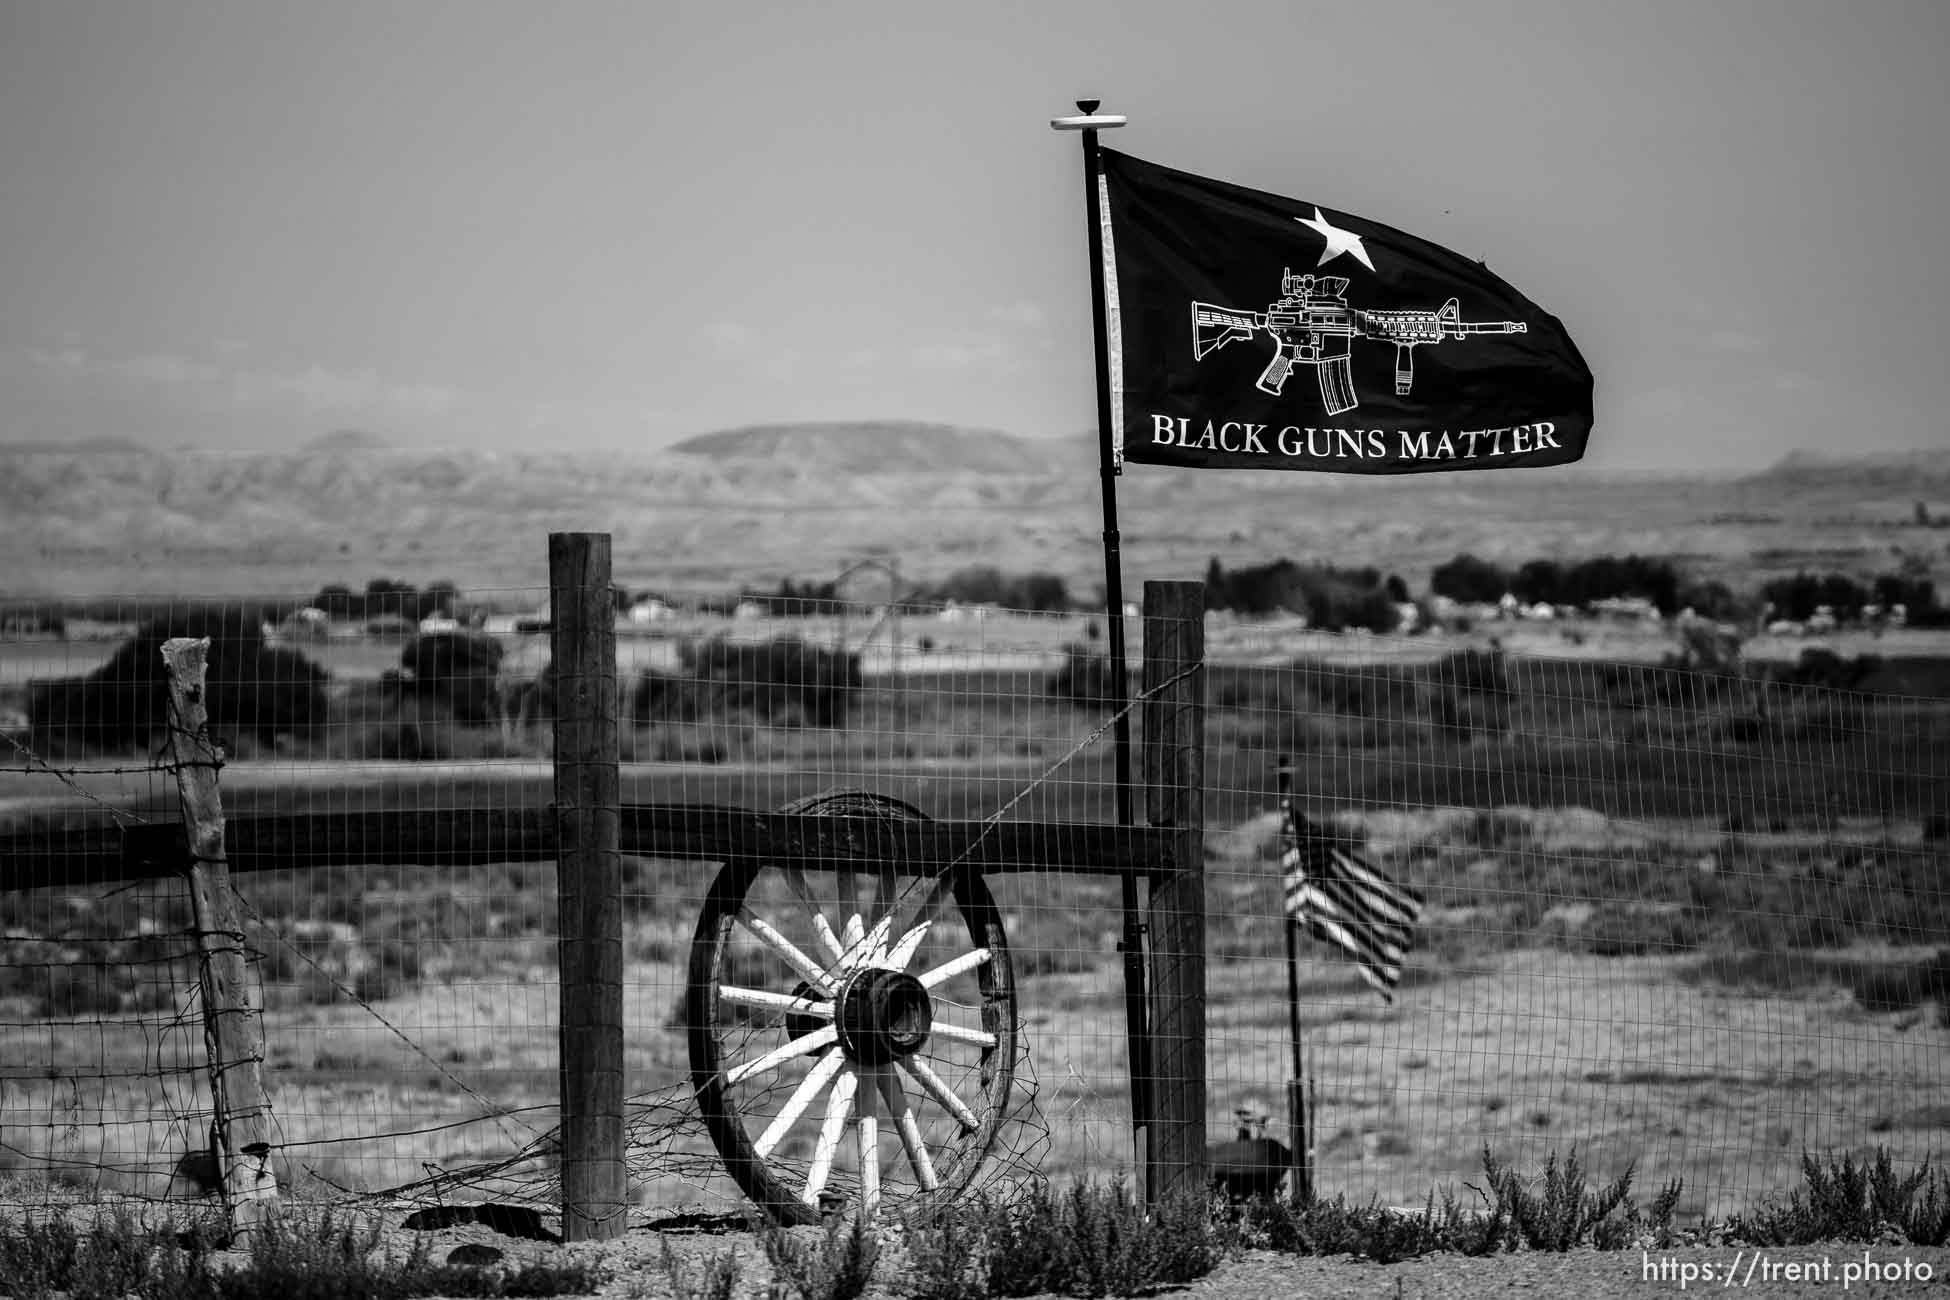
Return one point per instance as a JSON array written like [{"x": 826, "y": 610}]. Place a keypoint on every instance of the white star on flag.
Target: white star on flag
[{"x": 1338, "y": 241}]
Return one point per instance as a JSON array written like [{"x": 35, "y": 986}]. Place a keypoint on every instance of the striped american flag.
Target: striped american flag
[{"x": 1346, "y": 902}]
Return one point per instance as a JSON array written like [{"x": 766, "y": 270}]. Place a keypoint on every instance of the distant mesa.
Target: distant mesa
[
  {"x": 1919, "y": 468},
  {"x": 873, "y": 447},
  {"x": 346, "y": 440},
  {"x": 106, "y": 446}
]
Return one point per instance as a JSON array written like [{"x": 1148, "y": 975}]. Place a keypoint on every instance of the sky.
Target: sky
[{"x": 593, "y": 226}]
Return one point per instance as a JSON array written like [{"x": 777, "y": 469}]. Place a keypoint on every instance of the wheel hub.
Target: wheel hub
[{"x": 882, "y": 1016}]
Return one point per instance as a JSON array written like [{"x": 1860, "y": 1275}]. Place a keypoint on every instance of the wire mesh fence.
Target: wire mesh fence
[{"x": 1694, "y": 921}]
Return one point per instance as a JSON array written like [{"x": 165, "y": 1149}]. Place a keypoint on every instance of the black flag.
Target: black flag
[{"x": 1253, "y": 331}]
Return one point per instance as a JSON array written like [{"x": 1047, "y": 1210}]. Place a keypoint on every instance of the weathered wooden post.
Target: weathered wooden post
[
  {"x": 582, "y": 643},
  {"x": 233, "y": 1025},
  {"x": 1173, "y": 759}
]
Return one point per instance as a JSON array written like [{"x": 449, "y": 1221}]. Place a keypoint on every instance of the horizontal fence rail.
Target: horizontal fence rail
[{"x": 479, "y": 837}]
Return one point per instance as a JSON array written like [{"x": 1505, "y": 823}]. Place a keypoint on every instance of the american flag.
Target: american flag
[{"x": 1345, "y": 902}]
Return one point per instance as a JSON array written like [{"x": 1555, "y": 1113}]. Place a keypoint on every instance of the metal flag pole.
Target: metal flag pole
[
  {"x": 1136, "y": 1019},
  {"x": 1298, "y": 1120}
]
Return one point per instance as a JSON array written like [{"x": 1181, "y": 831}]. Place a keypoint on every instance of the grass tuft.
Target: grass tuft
[
  {"x": 1559, "y": 1213},
  {"x": 1850, "y": 1201},
  {"x": 715, "y": 1278},
  {"x": 321, "y": 1259},
  {"x": 1093, "y": 1240},
  {"x": 838, "y": 1267}
]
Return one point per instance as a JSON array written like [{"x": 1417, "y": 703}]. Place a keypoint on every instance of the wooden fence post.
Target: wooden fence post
[
  {"x": 582, "y": 645},
  {"x": 1173, "y": 768},
  {"x": 233, "y": 1028}
]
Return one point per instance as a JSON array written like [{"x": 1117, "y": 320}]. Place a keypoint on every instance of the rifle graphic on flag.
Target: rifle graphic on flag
[
  {"x": 1346, "y": 902},
  {"x": 1313, "y": 325}
]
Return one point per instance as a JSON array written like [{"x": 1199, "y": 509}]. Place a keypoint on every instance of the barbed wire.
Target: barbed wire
[{"x": 35, "y": 764}]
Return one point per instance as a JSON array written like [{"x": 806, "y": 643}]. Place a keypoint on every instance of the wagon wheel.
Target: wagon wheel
[{"x": 892, "y": 997}]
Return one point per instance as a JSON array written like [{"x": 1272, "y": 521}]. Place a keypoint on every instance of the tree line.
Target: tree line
[{"x": 1470, "y": 579}]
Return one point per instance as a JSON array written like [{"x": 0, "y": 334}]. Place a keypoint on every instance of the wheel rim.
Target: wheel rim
[{"x": 852, "y": 1035}]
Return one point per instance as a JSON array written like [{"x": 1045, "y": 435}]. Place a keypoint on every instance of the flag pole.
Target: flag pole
[
  {"x": 1299, "y": 1129},
  {"x": 1137, "y": 1025}
]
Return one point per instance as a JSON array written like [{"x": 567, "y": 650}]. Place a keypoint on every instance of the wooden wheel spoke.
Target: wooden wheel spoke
[
  {"x": 906, "y": 946},
  {"x": 947, "y": 970},
  {"x": 838, "y": 1104},
  {"x": 824, "y": 1036},
  {"x": 894, "y": 1097},
  {"x": 867, "y": 1130},
  {"x": 956, "y": 1034},
  {"x": 935, "y": 1087},
  {"x": 809, "y": 970},
  {"x": 818, "y": 1008},
  {"x": 809, "y": 1087},
  {"x": 873, "y": 946},
  {"x": 795, "y": 879}
]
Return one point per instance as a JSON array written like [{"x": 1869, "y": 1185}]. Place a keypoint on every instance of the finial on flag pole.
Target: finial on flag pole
[{"x": 1090, "y": 121}]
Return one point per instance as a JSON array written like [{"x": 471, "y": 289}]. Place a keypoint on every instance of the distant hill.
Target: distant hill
[
  {"x": 1923, "y": 470},
  {"x": 755, "y": 505},
  {"x": 873, "y": 447},
  {"x": 346, "y": 440},
  {"x": 79, "y": 446}
]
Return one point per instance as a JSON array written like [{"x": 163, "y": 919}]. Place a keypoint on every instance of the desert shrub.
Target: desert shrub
[
  {"x": 81, "y": 992},
  {"x": 1493, "y": 828},
  {"x": 1625, "y": 930},
  {"x": 1470, "y": 580},
  {"x": 386, "y": 598},
  {"x": 1715, "y": 601},
  {"x": 329, "y": 1257},
  {"x": 1538, "y": 580},
  {"x": 782, "y": 681},
  {"x": 1562, "y": 1212},
  {"x": 1085, "y": 680},
  {"x": 1370, "y": 609},
  {"x": 715, "y": 1278},
  {"x": 1814, "y": 928},
  {"x": 1800, "y": 596},
  {"x": 984, "y": 584},
  {"x": 1472, "y": 670},
  {"x": 460, "y": 670},
  {"x": 1899, "y": 986},
  {"x": 795, "y": 600},
  {"x": 251, "y": 689},
  {"x": 1608, "y": 577},
  {"x": 1331, "y": 598},
  {"x": 1094, "y": 1241},
  {"x": 32, "y": 620},
  {"x": 1362, "y": 692},
  {"x": 399, "y": 742},
  {"x": 1557, "y": 1212},
  {"x": 1679, "y": 681},
  {"x": 1915, "y": 592},
  {"x": 1851, "y": 1201},
  {"x": 1822, "y": 667},
  {"x": 944, "y": 1257},
  {"x": 837, "y": 1267}
]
